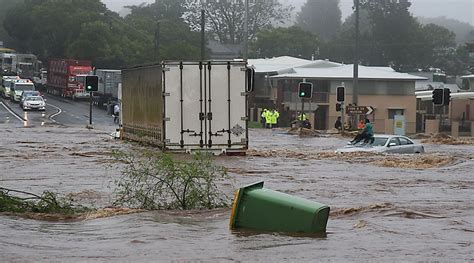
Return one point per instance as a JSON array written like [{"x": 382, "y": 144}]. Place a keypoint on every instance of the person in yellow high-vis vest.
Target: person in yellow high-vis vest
[
  {"x": 275, "y": 116},
  {"x": 302, "y": 117},
  {"x": 269, "y": 118}
]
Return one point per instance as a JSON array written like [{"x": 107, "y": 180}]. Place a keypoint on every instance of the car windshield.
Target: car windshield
[
  {"x": 34, "y": 99},
  {"x": 30, "y": 93}
]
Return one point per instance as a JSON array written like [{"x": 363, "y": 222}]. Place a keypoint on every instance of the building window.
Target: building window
[{"x": 393, "y": 112}]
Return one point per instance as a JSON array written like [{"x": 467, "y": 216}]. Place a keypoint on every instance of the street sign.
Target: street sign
[{"x": 359, "y": 110}]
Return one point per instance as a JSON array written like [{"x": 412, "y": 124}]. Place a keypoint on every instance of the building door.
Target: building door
[
  {"x": 321, "y": 117},
  {"x": 419, "y": 123}
]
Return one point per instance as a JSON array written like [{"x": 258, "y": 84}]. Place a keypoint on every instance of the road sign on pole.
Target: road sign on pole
[{"x": 359, "y": 110}]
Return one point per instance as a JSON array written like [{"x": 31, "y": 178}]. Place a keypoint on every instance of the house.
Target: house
[{"x": 388, "y": 92}]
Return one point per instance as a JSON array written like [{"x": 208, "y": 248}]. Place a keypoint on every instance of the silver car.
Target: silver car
[
  {"x": 34, "y": 103},
  {"x": 385, "y": 144},
  {"x": 28, "y": 93}
]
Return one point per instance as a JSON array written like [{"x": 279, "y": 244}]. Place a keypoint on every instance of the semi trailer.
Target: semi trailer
[{"x": 188, "y": 106}]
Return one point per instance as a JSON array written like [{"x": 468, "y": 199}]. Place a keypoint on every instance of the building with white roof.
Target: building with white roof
[
  {"x": 389, "y": 92},
  {"x": 460, "y": 110}
]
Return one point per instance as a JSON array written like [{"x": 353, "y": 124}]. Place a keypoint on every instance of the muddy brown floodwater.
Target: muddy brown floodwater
[{"x": 383, "y": 208}]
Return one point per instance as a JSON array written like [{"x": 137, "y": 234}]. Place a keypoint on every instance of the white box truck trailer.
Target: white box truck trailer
[
  {"x": 107, "y": 93},
  {"x": 188, "y": 106}
]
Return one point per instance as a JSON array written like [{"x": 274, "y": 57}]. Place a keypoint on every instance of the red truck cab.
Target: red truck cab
[{"x": 66, "y": 77}]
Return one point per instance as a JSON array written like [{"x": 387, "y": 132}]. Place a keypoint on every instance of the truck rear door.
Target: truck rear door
[{"x": 205, "y": 105}]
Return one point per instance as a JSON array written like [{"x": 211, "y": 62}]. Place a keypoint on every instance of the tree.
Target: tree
[
  {"x": 461, "y": 29},
  {"x": 320, "y": 17},
  {"x": 85, "y": 29},
  {"x": 7, "y": 6},
  {"x": 454, "y": 61},
  {"x": 390, "y": 36},
  {"x": 395, "y": 31},
  {"x": 292, "y": 41},
  {"x": 163, "y": 20},
  {"x": 47, "y": 27},
  {"x": 175, "y": 38},
  {"x": 341, "y": 48},
  {"x": 225, "y": 19}
]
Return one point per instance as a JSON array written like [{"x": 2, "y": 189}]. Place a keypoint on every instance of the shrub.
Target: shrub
[
  {"x": 48, "y": 203},
  {"x": 154, "y": 180}
]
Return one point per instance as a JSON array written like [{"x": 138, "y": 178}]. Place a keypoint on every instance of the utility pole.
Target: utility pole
[
  {"x": 157, "y": 40},
  {"x": 157, "y": 32},
  {"x": 343, "y": 108},
  {"x": 203, "y": 37},
  {"x": 355, "y": 84},
  {"x": 246, "y": 30}
]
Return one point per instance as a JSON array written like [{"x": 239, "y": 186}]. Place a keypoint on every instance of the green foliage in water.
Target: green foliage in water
[
  {"x": 154, "y": 180},
  {"x": 48, "y": 203}
]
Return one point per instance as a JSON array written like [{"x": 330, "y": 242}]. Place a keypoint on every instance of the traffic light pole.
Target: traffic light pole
[
  {"x": 91, "y": 85},
  {"x": 342, "y": 115},
  {"x": 302, "y": 107},
  {"x": 90, "y": 108}
]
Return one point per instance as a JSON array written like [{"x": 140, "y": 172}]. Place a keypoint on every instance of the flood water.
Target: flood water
[{"x": 378, "y": 213}]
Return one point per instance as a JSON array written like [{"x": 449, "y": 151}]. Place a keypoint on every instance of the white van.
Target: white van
[{"x": 18, "y": 86}]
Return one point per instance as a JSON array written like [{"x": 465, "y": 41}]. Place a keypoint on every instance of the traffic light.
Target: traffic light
[
  {"x": 438, "y": 96},
  {"x": 305, "y": 90},
  {"x": 340, "y": 94},
  {"x": 446, "y": 96},
  {"x": 92, "y": 83},
  {"x": 338, "y": 107}
]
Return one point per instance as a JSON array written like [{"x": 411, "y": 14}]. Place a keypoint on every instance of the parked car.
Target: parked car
[
  {"x": 34, "y": 103},
  {"x": 385, "y": 144},
  {"x": 28, "y": 93}
]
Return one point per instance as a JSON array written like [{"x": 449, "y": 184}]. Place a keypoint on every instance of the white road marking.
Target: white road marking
[
  {"x": 11, "y": 112},
  {"x": 56, "y": 114}
]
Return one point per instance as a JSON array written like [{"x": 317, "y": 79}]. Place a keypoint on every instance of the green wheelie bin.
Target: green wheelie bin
[{"x": 263, "y": 209}]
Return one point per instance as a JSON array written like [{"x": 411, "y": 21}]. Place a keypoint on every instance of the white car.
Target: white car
[
  {"x": 385, "y": 144},
  {"x": 34, "y": 103},
  {"x": 28, "y": 93}
]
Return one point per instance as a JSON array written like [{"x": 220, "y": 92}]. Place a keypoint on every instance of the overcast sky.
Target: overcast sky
[{"x": 462, "y": 10}]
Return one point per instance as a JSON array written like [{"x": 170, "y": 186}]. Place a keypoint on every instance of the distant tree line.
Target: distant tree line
[{"x": 169, "y": 29}]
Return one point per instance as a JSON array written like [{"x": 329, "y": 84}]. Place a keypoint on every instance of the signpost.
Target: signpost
[
  {"x": 359, "y": 110},
  {"x": 340, "y": 96}
]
